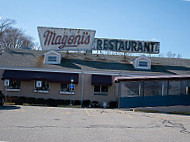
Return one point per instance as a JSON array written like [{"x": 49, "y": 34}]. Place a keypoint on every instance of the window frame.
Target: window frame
[
  {"x": 8, "y": 88},
  {"x": 52, "y": 62},
  {"x": 68, "y": 92},
  {"x": 143, "y": 67},
  {"x": 142, "y": 61},
  {"x": 39, "y": 90},
  {"x": 101, "y": 92}
]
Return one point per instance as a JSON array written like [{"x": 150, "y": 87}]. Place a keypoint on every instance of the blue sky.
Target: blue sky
[{"x": 166, "y": 21}]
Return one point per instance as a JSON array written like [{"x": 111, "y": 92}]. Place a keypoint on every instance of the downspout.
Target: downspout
[
  {"x": 119, "y": 95},
  {"x": 82, "y": 88}
]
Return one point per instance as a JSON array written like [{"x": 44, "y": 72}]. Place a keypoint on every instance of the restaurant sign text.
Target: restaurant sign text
[
  {"x": 66, "y": 39},
  {"x": 133, "y": 46}
]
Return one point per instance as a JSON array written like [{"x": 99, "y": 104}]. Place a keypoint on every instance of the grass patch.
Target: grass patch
[
  {"x": 8, "y": 103},
  {"x": 149, "y": 111},
  {"x": 182, "y": 113}
]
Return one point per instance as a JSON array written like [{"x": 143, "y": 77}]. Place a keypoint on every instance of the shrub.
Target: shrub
[
  {"x": 51, "y": 102},
  {"x": 40, "y": 101},
  {"x": 113, "y": 104},
  {"x": 76, "y": 102},
  {"x": 95, "y": 104},
  {"x": 31, "y": 100},
  {"x": 86, "y": 103}
]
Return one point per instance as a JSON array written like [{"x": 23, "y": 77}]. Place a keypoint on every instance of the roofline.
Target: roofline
[
  {"x": 107, "y": 72},
  {"x": 163, "y": 77}
]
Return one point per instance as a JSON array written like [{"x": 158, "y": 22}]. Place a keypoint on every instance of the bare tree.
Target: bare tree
[
  {"x": 5, "y": 23},
  {"x": 173, "y": 55},
  {"x": 11, "y": 37}
]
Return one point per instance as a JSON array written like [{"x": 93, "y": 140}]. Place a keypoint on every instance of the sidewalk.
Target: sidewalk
[{"x": 166, "y": 109}]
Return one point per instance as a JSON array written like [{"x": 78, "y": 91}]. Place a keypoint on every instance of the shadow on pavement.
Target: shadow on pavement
[{"x": 7, "y": 107}]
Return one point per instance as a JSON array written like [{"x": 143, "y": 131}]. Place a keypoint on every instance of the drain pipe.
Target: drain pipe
[{"x": 82, "y": 88}]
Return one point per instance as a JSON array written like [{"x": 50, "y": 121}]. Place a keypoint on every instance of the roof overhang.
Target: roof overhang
[{"x": 143, "y": 78}]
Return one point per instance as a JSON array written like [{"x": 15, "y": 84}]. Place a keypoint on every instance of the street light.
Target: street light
[{"x": 71, "y": 86}]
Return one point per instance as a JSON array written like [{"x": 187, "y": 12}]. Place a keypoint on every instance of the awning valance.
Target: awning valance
[
  {"x": 56, "y": 77},
  {"x": 101, "y": 80}
]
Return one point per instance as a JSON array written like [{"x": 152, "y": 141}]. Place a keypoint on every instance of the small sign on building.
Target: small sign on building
[
  {"x": 38, "y": 84},
  {"x": 72, "y": 86},
  {"x": 6, "y": 82}
]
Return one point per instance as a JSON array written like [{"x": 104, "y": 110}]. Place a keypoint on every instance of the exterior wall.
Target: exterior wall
[
  {"x": 27, "y": 90},
  {"x": 89, "y": 91}
]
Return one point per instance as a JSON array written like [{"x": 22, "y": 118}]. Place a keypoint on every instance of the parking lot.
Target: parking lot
[{"x": 58, "y": 124}]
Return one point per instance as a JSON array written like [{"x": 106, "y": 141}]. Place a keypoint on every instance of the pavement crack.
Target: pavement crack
[
  {"x": 32, "y": 127},
  {"x": 168, "y": 123}
]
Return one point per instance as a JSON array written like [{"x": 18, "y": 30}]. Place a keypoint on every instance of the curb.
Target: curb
[{"x": 156, "y": 111}]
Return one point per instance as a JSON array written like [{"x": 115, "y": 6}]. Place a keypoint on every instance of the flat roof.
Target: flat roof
[{"x": 139, "y": 78}]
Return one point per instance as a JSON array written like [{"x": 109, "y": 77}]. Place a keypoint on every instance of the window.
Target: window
[
  {"x": 14, "y": 85},
  {"x": 100, "y": 90},
  {"x": 64, "y": 89},
  {"x": 52, "y": 58},
  {"x": 143, "y": 64},
  {"x": 131, "y": 89},
  {"x": 153, "y": 88},
  {"x": 44, "y": 87},
  {"x": 174, "y": 87}
]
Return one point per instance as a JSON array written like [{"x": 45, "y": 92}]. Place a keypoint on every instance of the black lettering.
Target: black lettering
[
  {"x": 111, "y": 46},
  {"x": 157, "y": 47},
  {"x": 134, "y": 44},
  {"x": 127, "y": 47},
  {"x": 146, "y": 47},
  {"x": 152, "y": 46},
  {"x": 140, "y": 46},
  {"x": 121, "y": 46},
  {"x": 116, "y": 44},
  {"x": 105, "y": 44},
  {"x": 99, "y": 44}
]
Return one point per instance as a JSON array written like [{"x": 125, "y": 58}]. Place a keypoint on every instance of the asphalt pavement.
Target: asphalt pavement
[{"x": 57, "y": 124}]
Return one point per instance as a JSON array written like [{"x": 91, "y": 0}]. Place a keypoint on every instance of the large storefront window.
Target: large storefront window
[
  {"x": 44, "y": 87},
  {"x": 153, "y": 88},
  {"x": 132, "y": 89},
  {"x": 174, "y": 87},
  {"x": 14, "y": 85},
  {"x": 185, "y": 87}
]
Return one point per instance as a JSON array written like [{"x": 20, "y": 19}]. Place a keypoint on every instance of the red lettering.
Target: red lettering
[
  {"x": 65, "y": 40},
  {"x": 71, "y": 39},
  {"x": 77, "y": 39},
  {"x": 87, "y": 40},
  {"x": 82, "y": 40},
  {"x": 58, "y": 40}
]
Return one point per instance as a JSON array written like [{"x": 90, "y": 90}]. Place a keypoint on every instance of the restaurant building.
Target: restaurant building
[{"x": 59, "y": 77}]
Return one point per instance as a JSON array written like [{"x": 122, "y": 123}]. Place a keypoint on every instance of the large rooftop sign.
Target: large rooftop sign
[
  {"x": 133, "y": 46},
  {"x": 66, "y": 39}
]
